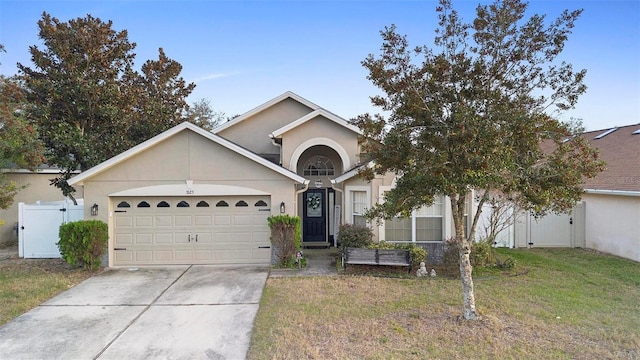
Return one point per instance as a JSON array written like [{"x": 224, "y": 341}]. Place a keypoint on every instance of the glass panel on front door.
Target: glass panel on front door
[{"x": 314, "y": 205}]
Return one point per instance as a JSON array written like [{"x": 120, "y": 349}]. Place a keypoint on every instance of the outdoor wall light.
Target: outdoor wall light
[
  {"x": 282, "y": 208},
  {"x": 94, "y": 210}
]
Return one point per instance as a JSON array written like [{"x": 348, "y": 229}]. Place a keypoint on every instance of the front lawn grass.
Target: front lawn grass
[
  {"x": 25, "y": 284},
  {"x": 556, "y": 304}
]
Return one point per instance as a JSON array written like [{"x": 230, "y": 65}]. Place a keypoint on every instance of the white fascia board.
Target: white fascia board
[
  {"x": 612, "y": 192},
  {"x": 178, "y": 128},
  {"x": 351, "y": 173},
  {"x": 319, "y": 112},
  {"x": 265, "y": 106}
]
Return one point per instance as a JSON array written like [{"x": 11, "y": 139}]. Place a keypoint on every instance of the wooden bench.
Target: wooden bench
[{"x": 388, "y": 257}]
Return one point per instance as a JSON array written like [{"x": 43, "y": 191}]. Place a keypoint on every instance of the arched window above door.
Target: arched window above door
[{"x": 318, "y": 166}]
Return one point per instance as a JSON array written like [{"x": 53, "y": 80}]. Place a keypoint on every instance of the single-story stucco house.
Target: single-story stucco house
[
  {"x": 607, "y": 218},
  {"x": 189, "y": 196},
  {"x": 612, "y": 199}
]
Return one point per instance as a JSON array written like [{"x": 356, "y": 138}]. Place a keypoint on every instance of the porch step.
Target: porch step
[{"x": 306, "y": 244}]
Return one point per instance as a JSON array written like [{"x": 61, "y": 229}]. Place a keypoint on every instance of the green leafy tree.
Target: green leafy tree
[
  {"x": 202, "y": 114},
  {"x": 478, "y": 110},
  {"x": 161, "y": 98},
  {"x": 19, "y": 142},
  {"x": 88, "y": 101}
]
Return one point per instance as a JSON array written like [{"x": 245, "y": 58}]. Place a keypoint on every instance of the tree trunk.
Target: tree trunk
[{"x": 468, "y": 295}]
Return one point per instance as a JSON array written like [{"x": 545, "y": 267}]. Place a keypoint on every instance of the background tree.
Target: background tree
[
  {"x": 19, "y": 142},
  {"x": 161, "y": 98},
  {"x": 478, "y": 111},
  {"x": 88, "y": 101},
  {"x": 202, "y": 114}
]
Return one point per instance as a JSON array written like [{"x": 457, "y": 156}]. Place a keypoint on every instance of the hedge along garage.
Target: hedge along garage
[{"x": 191, "y": 230}]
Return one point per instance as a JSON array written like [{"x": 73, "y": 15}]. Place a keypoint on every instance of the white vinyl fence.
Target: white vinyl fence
[{"x": 38, "y": 226}]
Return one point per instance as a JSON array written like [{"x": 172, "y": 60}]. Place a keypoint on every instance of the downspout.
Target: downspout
[
  {"x": 305, "y": 187},
  {"x": 275, "y": 143}
]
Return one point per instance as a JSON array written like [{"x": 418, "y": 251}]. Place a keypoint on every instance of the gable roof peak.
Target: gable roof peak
[{"x": 264, "y": 106}]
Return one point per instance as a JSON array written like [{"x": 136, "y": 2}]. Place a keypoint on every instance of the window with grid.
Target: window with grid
[{"x": 319, "y": 166}]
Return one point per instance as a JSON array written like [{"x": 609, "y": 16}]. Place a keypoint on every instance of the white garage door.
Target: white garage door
[{"x": 209, "y": 230}]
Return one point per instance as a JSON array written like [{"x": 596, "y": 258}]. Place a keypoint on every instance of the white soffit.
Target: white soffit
[{"x": 187, "y": 190}]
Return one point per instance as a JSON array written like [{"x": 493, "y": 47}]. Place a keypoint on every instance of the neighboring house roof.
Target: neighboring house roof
[
  {"x": 265, "y": 106},
  {"x": 169, "y": 133},
  {"x": 620, "y": 148},
  {"x": 42, "y": 169},
  {"x": 319, "y": 112}
]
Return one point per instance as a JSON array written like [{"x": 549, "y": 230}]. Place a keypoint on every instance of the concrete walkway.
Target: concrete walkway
[{"x": 179, "y": 312}]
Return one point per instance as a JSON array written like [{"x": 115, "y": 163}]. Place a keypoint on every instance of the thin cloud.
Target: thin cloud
[{"x": 211, "y": 77}]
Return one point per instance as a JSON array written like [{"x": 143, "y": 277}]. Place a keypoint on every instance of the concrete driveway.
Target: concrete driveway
[{"x": 178, "y": 312}]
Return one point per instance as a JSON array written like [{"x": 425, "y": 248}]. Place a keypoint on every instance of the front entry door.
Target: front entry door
[{"x": 314, "y": 216}]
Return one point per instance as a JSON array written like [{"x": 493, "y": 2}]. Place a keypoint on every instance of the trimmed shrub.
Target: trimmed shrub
[
  {"x": 350, "y": 235},
  {"x": 286, "y": 237},
  {"x": 482, "y": 254},
  {"x": 418, "y": 254},
  {"x": 83, "y": 242}
]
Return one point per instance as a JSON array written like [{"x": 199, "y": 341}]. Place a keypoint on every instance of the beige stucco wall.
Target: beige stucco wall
[
  {"x": 38, "y": 190},
  {"x": 253, "y": 132},
  {"x": 186, "y": 156},
  {"x": 320, "y": 131},
  {"x": 613, "y": 224}
]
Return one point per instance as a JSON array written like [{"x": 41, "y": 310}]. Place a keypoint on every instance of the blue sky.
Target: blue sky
[{"x": 241, "y": 54}]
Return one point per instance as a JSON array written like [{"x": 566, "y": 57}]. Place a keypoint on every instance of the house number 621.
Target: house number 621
[{"x": 190, "y": 191}]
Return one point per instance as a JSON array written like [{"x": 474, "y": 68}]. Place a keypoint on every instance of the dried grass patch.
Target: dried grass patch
[{"x": 364, "y": 317}]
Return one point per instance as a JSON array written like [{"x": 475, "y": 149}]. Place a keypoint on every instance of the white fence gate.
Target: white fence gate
[
  {"x": 38, "y": 226},
  {"x": 565, "y": 230}
]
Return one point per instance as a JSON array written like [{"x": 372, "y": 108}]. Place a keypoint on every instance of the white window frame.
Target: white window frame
[
  {"x": 348, "y": 206},
  {"x": 382, "y": 234}
]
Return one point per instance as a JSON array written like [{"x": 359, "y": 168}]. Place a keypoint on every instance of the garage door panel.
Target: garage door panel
[
  {"x": 222, "y": 220},
  {"x": 204, "y": 238},
  {"x": 183, "y": 220},
  {"x": 163, "y": 220},
  {"x": 242, "y": 220},
  {"x": 164, "y": 238},
  {"x": 228, "y": 234},
  {"x": 183, "y": 255},
  {"x": 144, "y": 239},
  {"x": 163, "y": 256},
  {"x": 145, "y": 256},
  {"x": 203, "y": 255},
  {"x": 124, "y": 221},
  {"x": 123, "y": 256},
  {"x": 123, "y": 239},
  {"x": 203, "y": 220},
  {"x": 144, "y": 220}
]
